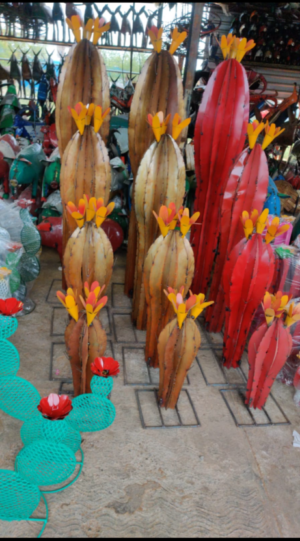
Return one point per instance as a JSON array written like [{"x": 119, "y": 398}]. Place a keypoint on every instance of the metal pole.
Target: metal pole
[
  {"x": 131, "y": 40},
  {"x": 192, "y": 53}
]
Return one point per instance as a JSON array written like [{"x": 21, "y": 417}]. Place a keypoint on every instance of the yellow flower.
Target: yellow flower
[
  {"x": 177, "y": 39},
  {"x": 88, "y": 29},
  {"x": 274, "y": 305},
  {"x": 239, "y": 47},
  {"x": 90, "y": 206},
  {"x": 253, "y": 131},
  {"x": 225, "y": 45},
  {"x": 100, "y": 26},
  {"x": 178, "y": 126},
  {"x": 166, "y": 219},
  {"x": 254, "y": 221},
  {"x": 99, "y": 117},
  {"x": 293, "y": 314},
  {"x": 186, "y": 222},
  {"x": 77, "y": 213},
  {"x": 93, "y": 305},
  {"x": 180, "y": 306},
  {"x": 82, "y": 115},
  {"x": 102, "y": 212},
  {"x": 155, "y": 36},
  {"x": 271, "y": 132},
  {"x": 200, "y": 304},
  {"x": 69, "y": 302},
  {"x": 274, "y": 229},
  {"x": 158, "y": 124},
  {"x": 75, "y": 23}
]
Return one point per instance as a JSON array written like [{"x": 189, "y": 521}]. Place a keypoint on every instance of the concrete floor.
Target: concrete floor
[{"x": 217, "y": 479}]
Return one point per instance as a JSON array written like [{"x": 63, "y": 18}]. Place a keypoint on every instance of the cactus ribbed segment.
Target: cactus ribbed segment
[
  {"x": 177, "y": 348},
  {"x": 83, "y": 78},
  {"x": 169, "y": 263},
  {"x": 160, "y": 180},
  {"x": 159, "y": 88}
]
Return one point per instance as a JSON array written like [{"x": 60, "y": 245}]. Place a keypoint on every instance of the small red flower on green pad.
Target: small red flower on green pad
[
  {"x": 55, "y": 406},
  {"x": 105, "y": 366},
  {"x": 10, "y": 307}
]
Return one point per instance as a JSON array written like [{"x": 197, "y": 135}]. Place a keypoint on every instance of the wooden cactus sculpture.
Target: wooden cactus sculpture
[
  {"x": 178, "y": 344},
  {"x": 85, "y": 163},
  {"x": 269, "y": 347},
  {"x": 160, "y": 180},
  {"x": 89, "y": 255},
  {"x": 159, "y": 88},
  {"x": 245, "y": 189},
  {"x": 169, "y": 263},
  {"x": 247, "y": 275},
  {"x": 84, "y": 336},
  {"x": 220, "y": 133},
  {"x": 83, "y": 78}
]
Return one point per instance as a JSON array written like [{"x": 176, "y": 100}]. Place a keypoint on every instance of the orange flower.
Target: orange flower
[
  {"x": 88, "y": 29},
  {"x": 77, "y": 213},
  {"x": 99, "y": 117},
  {"x": 200, "y": 304},
  {"x": 167, "y": 218},
  {"x": 178, "y": 126},
  {"x": 155, "y": 36},
  {"x": 254, "y": 221},
  {"x": 75, "y": 23},
  {"x": 293, "y": 314},
  {"x": 185, "y": 221},
  {"x": 93, "y": 305},
  {"x": 100, "y": 26},
  {"x": 177, "y": 39},
  {"x": 274, "y": 229},
  {"x": 239, "y": 47},
  {"x": 69, "y": 302},
  {"x": 82, "y": 115},
  {"x": 180, "y": 306},
  {"x": 102, "y": 212},
  {"x": 226, "y": 42},
  {"x": 271, "y": 132},
  {"x": 274, "y": 305},
  {"x": 158, "y": 124}
]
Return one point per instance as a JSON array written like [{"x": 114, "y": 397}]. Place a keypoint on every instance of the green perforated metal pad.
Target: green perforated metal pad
[
  {"x": 39, "y": 428},
  {"x": 18, "y": 397},
  {"x": 31, "y": 239},
  {"x": 46, "y": 463},
  {"x": 29, "y": 267},
  {"x": 102, "y": 386},
  {"x": 91, "y": 413},
  {"x": 9, "y": 359},
  {"x": 8, "y": 326},
  {"x": 18, "y": 497},
  {"x": 26, "y": 216}
]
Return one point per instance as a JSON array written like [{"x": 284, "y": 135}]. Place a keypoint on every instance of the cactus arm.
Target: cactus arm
[
  {"x": 87, "y": 269},
  {"x": 253, "y": 346}
]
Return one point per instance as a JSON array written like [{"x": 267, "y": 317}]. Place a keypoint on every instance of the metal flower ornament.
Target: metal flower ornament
[
  {"x": 270, "y": 346},
  {"x": 55, "y": 406}
]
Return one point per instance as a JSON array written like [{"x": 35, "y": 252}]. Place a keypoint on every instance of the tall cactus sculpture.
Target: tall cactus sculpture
[
  {"x": 85, "y": 338},
  {"x": 220, "y": 134},
  {"x": 269, "y": 347},
  {"x": 83, "y": 78},
  {"x": 160, "y": 180},
  {"x": 85, "y": 164},
  {"x": 89, "y": 255},
  {"x": 178, "y": 345},
  {"x": 245, "y": 189},
  {"x": 159, "y": 88},
  {"x": 247, "y": 275},
  {"x": 169, "y": 263}
]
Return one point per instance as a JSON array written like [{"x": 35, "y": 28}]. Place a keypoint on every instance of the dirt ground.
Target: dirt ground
[{"x": 206, "y": 470}]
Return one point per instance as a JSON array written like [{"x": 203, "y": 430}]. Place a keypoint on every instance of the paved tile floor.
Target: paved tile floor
[{"x": 208, "y": 469}]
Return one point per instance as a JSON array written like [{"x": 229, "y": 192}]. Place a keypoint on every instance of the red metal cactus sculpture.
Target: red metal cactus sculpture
[
  {"x": 178, "y": 344},
  {"x": 245, "y": 189},
  {"x": 220, "y": 133},
  {"x": 159, "y": 88},
  {"x": 247, "y": 275},
  {"x": 84, "y": 337},
  {"x": 269, "y": 347},
  {"x": 160, "y": 180},
  {"x": 169, "y": 262}
]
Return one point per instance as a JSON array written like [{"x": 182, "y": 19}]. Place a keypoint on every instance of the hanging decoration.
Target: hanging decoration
[
  {"x": 169, "y": 263},
  {"x": 178, "y": 344},
  {"x": 220, "y": 134},
  {"x": 245, "y": 189},
  {"x": 83, "y": 78},
  {"x": 160, "y": 179},
  {"x": 159, "y": 88},
  {"x": 247, "y": 275},
  {"x": 270, "y": 346}
]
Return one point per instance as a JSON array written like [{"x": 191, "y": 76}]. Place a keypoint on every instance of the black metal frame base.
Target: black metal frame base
[{"x": 163, "y": 425}]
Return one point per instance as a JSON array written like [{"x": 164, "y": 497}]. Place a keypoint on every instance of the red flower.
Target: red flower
[
  {"x": 105, "y": 366},
  {"x": 11, "y": 306},
  {"x": 55, "y": 407}
]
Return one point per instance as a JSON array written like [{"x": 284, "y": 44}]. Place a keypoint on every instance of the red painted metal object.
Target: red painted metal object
[
  {"x": 246, "y": 189},
  {"x": 51, "y": 233},
  {"x": 220, "y": 134},
  {"x": 248, "y": 273}
]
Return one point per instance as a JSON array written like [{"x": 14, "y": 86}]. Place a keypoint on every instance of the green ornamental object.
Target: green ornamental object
[
  {"x": 102, "y": 386},
  {"x": 51, "y": 175},
  {"x": 59, "y": 431}
]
